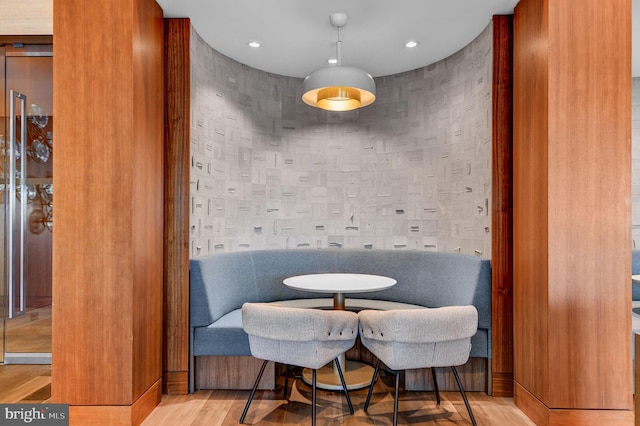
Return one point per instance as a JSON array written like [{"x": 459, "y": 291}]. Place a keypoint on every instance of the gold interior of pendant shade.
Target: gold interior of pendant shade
[{"x": 339, "y": 98}]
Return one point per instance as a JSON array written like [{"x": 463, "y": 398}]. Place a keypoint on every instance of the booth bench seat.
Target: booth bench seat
[{"x": 221, "y": 283}]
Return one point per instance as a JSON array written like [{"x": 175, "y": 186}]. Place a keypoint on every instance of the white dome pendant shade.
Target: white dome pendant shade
[{"x": 339, "y": 88}]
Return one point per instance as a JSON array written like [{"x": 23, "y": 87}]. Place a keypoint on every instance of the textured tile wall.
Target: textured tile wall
[{"x": 412, "y": 171}]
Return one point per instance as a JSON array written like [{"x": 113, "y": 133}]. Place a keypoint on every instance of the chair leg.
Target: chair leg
[
  {"x": 435, "y": 385},
  {"x": 464, "y": 396},
  {"x": 373, "y": 382},
  {"x": 344, "y": 385},
  {"x": 395, "y": 400},
  {"x": 253, "y": 391},
  {"x": 313, "y": 398},
  {"x": 286, "y": 383}
]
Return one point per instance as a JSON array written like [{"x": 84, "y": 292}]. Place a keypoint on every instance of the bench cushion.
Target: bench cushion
[
  {"x": 635, "y": 270},
  {"x": 229, "y": 327}
]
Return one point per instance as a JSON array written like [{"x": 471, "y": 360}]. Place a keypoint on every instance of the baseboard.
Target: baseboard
[
  {"x": 175, "y": 382},
  {"x": 542, "y": 415},
  {"x": 117, "y": 415},
  {"x": 502, "y": 384}
]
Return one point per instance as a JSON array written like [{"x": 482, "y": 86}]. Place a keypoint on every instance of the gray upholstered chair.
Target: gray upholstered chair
[
  {"x": 419, "y": 338},
  {"x": 308, "y": 338}
]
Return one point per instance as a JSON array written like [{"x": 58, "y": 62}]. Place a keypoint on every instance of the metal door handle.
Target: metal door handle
[{"x": 11, "y": 195}]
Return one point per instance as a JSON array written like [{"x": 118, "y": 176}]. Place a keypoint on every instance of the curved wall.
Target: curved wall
[{"x": 412, "y": 171}]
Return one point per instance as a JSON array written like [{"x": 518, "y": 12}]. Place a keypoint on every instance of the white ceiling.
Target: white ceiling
[{"x": 297, "y": 37}]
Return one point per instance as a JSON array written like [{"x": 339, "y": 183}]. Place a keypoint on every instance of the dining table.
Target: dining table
[{"x": 357, "y": 374}]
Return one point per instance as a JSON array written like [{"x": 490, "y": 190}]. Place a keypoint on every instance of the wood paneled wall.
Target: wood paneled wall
[
  {"x": 177, "y": 35},
  {"x": 502, "y": 209},
  {"x": 572, "y": 214},
  {"x": 108, "y": 237}
]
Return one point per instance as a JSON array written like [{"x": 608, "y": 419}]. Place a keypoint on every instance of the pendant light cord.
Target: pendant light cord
[{"x": 339, "y": 46}]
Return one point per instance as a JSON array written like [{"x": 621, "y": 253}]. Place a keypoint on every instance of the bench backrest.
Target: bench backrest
[{"x": 223, "y": 282}]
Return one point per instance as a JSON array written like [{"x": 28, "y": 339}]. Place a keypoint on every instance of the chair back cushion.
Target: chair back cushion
[
  {"x": 419, "y": 338},
  {"x": 304, "y": 337}
]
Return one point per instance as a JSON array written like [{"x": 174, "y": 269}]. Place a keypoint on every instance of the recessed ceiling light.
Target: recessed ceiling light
[
  {"x": 254, "y": 44},
  {"x": 332, "y": 61},
  {"x": 411, "y": 43}
]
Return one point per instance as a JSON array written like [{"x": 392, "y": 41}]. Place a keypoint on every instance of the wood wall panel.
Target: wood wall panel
[
  {"x": 107, "y": 245},
  {"x": 92, "y": 271},
  {"x": 594, "y": 213},
  {"x": 572, "y": 192},
  {"x": 147, "y": 219},
  {"x": 177, "y": 168},
  {"x": 530, "y": 208},
  {"x": 502, "y": 209}
]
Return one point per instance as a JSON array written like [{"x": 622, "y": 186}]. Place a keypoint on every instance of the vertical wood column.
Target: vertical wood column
[
  {"x": 502, "y": 209},
  {"x": 177, "y": 36},
  {"x": 108, "y": 236},
  {"x": 572, "y": 214}
]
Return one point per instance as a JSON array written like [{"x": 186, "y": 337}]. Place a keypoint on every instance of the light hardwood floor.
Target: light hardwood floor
[
  {"x": 30, "y": 332},
  {"x": 268, "y": 408},
  {"x": 32, "y": 384},
  {"x": 25, "y": 383}
]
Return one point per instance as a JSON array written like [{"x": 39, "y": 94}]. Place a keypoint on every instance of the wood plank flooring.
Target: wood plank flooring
[
  {"x": 224, "y": 408},
  {"x": 30, "y": 332},
  {"x": 32, "y": 384},
  {"x": 25, "y": 383}
]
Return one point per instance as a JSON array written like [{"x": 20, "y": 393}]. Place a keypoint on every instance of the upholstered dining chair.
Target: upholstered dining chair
[
  {"x": 419, "y": 338},
  {"x": 308, "y": 338}
]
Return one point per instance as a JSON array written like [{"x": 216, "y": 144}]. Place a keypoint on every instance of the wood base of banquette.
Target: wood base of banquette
[
  {"x": 240, "y": 372},
  {"x": 117, "y": 415},
  {"x": 232, "y": 372},
  {"x": 542, "y": 415},
  {"x": 472, "y": 375}
]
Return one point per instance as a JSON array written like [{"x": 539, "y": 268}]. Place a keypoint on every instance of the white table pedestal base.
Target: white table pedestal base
[{"x": 357, "y": 376}]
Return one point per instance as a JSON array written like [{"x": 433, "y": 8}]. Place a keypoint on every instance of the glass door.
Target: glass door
[{"x": 27, "y": 173}]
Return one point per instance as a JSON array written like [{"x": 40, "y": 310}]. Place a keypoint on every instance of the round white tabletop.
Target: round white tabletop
[
  {"x": 357, "y": 375},
  {"x": 339, "y": 283}
]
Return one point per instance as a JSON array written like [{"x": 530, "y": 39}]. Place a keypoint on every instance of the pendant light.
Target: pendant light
[{"x": 339, "y": 88}]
